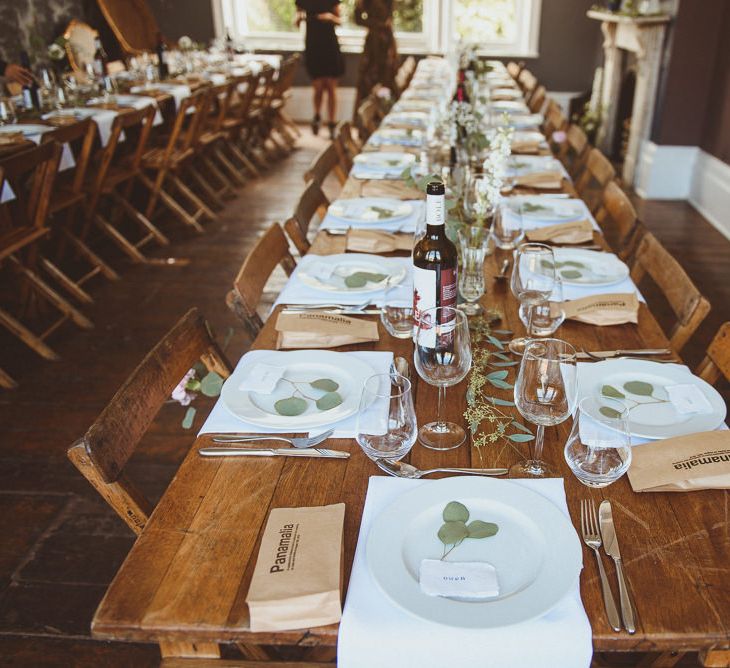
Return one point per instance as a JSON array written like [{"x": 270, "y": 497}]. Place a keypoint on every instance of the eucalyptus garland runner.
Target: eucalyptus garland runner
[{"x": 488, "y": 423}]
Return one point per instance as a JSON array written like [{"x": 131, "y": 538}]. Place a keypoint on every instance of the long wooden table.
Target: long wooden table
[{"x": 185, "y": 580}]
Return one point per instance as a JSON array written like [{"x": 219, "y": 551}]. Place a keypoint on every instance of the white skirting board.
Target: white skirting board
[
  {"x": 710, "y": 193},
  {"x": 299, "y": 105}
]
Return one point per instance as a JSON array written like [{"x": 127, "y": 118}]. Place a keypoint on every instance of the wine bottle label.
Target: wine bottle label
[
  {"x": 432, "y": 288},
  {"x": 434, "y": 209}
]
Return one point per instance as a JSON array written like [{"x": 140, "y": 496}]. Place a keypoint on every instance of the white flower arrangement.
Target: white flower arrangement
[
  {"x": 185, "y": 43},
  {"x": 56, "y": 51}
]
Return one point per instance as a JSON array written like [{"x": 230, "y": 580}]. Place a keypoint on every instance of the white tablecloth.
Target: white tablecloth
[
  {"x": 374, "y": 632},
  {"x": 221, "y": 420},
  {"x": 404, "y": 225}
]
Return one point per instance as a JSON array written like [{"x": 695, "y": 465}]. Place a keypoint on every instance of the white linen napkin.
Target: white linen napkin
[
  {"x": 363, "y": 172},
  {"x": 533, "y": 221},
  {"x": 221, "y": 420},
  {"x": 7, "y": 193},
  {"x": 375, "y": 632},
  {"x": 67, "y": 158},
  {"x": 178, "y": 91},
  {"x": 408, "y": 224},
  {"x": 136, "y": 102},
  {"x": 571, "y": 292},
  {"x": 295, "y": 292}
]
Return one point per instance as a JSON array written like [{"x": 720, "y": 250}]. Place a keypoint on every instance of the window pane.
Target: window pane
[
  {"x": 408, "y": 16},
  {"x": 270, "y": 15},
  {"x": 486, "y": 20}
]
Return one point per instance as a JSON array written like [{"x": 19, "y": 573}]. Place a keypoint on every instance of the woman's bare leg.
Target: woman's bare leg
[
  {"x": 331, "y": 85},
  {"x": 318, "y": 86}
]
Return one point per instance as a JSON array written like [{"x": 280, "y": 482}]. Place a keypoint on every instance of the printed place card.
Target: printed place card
[
  {"x": 687, "y": 398},
  {"x": 463, "y": 579}
]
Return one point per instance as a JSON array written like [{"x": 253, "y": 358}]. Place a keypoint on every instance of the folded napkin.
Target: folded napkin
[
  {"x": 576, "y": 232},
  {"x": 296, "y": 292},
  {"x": 408, "y": 224},
  {"x": 526, "y": 147},
  {"x": 136, "y": 102},
  {"x": 322, "y": 330},
  {"x": 601, "y": 310},
  {"x": 222, "y": 421},
  {"x": 540, "y": 180},
  {"x": 375, "y": 632},
  {"x": 374, "y": 241},
  {"x": 683, "y": 463}
]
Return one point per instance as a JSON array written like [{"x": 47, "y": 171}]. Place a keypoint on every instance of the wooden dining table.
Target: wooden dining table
[{"x": 184, "y": 583}]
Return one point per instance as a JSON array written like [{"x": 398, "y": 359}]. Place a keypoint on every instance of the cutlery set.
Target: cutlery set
[{"x": 599, "y": 532}]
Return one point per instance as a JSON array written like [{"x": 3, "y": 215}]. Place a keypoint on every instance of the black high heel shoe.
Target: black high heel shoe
[
  {"x": 316, "y": 121},
  {"x": 332, "y": 125}
]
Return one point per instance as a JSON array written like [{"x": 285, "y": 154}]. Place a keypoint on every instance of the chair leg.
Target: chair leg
[
  {"x": 206, "y": 187},
  {"x": 199, "y": 204},
  {"x": 228, "y": 166},
  {"x": 247, "y": 163},
  {"x": 68, "y": 284},
  {"x": 45, "y": 290},
  {"x": 7, "y": 381},
  {"x": 140, "y": 218},
  {"x": 172, "y": 204},
  {"x": 99, "y": 264},
  {"x": 226, "y": 186},
  {"x": 26, "y": 336},
  {"x": 124, "y": 244}
]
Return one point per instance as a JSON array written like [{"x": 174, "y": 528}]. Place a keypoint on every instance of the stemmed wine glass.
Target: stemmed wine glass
[
  {"x": 507, "y": 227},
  {"x": 532, "y": 282},
  {"x": 545, "y": 394},
  {"x": 442, "y": 357},
  {"x": 474, "y": 242}
]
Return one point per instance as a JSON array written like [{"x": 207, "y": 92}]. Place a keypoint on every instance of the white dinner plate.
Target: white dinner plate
[
  {"x": 509, "y": 107},
  {"x": 536, "y": 551},
  {"x": 303, "y": 367},
  {"x": 576, "y": 266},
  {"x": 329, "y": 272},
  {"x": 385, "y": 161},
  {"x": 656, "y": 419},
  {"x": 375, "y": 210},
  {"x": 413, "y": 105},
  {"x": 547, "y": 209},
  {"x": 512, "y": 93},
  {"x": 400, "y": 136},
  {"x": 416, "y": 119},
  {"x": 28, "y": 129},
  {"x": 522, "y": 165},
  {"x": 528, "y": 136}
]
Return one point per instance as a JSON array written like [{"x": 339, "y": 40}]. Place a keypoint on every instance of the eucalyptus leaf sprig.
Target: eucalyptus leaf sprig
[
  {"x": 296, "y": 405},
  {"x": 638, "y": 388},
  {"x": 455, "y": 530},
  {"x": 488, "y": 423}
]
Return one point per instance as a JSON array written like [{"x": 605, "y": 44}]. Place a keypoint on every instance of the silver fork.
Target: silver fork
[
  {"x": 297, "y": 442},
  {"x": 592, "y": 538}
]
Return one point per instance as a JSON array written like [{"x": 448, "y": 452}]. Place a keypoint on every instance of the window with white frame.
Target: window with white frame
[{"x": 498, "y": 27}]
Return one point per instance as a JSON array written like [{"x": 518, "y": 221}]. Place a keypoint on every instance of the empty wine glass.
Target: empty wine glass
[
  {"x": 532, "y": 282},
  {"x": 7, "y": 111},
  {"x": 396, "y": 316},
  {"x": 474, "y": 243},
  {"x": 598, "y": 450},
  {"x": 442, "y": 357},
  {"x": 386, "y": 420},
  {"x": 547, "y": 315},
  {"x": 507, "y": 228},
  {"x": 545, "y": 394}
]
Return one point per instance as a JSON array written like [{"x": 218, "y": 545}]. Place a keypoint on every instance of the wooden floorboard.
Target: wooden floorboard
[{"x": 61, "y": 544}]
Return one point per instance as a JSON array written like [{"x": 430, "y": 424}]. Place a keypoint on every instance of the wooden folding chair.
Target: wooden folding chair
[
  {"x": 597, "y": 174},
  {"x": 284, "y": 126},
  {"x": 346, "y": 145},
  {"x": 514, "y": 69},
  {"x": 167, "y": 165},
  {"x": 312, "y": 201},
  {"x": 619, "y": 221},
  {"x": 327, "y": 161},
  {"x": 243, "y": 299},
  {"x": 554, "y": 119},
  {"x": 238, "y": 125},
  {"x": 573, "y": 152},
  {"x": 259, "y": 137},
  {"x": 29, "y": 175},
  {"x": 366, "y": 120},
  {"x": 537, "y": 99},
  {"x": 109, "y": 199},
  {"x": 528, "y": 82},
  {"x": 716, "y": 363},
  {"x": 67, "y": 209},
  {"x": 685, "y": 299},
  {"x": 104, "y": 451}
]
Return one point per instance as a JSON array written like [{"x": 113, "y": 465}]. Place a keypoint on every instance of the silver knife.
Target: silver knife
[
  {"x": 641, "y": 352},
  {"x": 273, "y": 452},
  {"x": 610, "y": 545},
  {"x": 335, "y": 311}
]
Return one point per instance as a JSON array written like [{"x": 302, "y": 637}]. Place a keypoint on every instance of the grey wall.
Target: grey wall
[{"x": 176, "y": 18}]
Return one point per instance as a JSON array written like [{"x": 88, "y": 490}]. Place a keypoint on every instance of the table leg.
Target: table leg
[{"x": 204, "y": 650}]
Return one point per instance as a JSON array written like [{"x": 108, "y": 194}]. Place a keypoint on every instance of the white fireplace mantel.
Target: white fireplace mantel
[{"x": 643, "y": 36}]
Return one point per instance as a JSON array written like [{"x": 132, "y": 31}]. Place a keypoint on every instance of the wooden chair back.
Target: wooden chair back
[
  {"x": 287, "y": 72},
  {"x": 312, "y": 200},
  {"x": 365, "y": 118},
  {"x": 80, "y": 137},
  {"x": 326, "y": 162},
  {"x": 598, "y": 173},
  {"x": 716, "y": 363},
  {"x": 346, "y": 145},
  {"x": 30, "y": 175},
  {"x": 619, "y": 221},
  {"x": 514, "y": 69},
  {"x": 527, "y": 81},
  {"x": 271, "y": 249},
  {"x": 133, "y": 23},
  {"x": 554, "y": 119},
  {"x": 80, "y": 46},
  {"x": 537, "y": 99},
  {"x": 574, "y": 151},
  {"x": 219, "y": 102},
  {"x": 686, "y": 301},
  {"x": 104, "y": 451}
]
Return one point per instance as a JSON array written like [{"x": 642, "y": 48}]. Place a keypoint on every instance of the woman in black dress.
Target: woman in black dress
[{"x": 322, "y": 56}]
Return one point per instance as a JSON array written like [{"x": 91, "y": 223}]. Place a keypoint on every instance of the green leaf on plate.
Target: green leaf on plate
[
  {"x": 189, "y": 417},
  {"x": 520, "y": 438},
  {"x": 291, "y": 406},
  {"x": 455, "y": 512},
  {"x": 570, "y": 273},
  {"x": 609, "y": 412},
  {"x": 479, "y": 529},
  {"x": 329, "y": 401},
  {"x": 211, "y": 384},
  {"x": 452, "y": 532},
  {"x": 639, "y": 387},
  {"x": 359, "y": 279},
  {"x": 611, "y": 391},
  {"x": 324, "y": 384}
]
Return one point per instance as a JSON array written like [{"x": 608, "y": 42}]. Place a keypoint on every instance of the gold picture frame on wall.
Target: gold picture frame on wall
[{"x": 133, "y": 23}]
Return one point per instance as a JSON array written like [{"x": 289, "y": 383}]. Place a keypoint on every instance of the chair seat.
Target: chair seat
[
  {"x": 156, "y": 159},
  {"x": 118, "y": 174},
  {"x": 208, "y": 138},
  {"x": 18, "y": 238}
]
